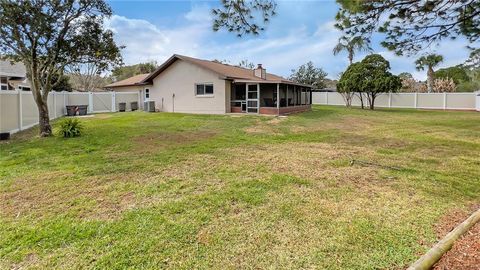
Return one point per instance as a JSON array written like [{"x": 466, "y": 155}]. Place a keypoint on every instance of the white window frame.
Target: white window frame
[
  {"x": 204, "y": 88},
  {"x": 145, "y": 94}
]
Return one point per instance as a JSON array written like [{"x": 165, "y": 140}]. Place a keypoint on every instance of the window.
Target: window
[
  {"x": 147, "y": 93},
  {"x": 3, "y": 83},
  {"x": 203, "y": 89}
]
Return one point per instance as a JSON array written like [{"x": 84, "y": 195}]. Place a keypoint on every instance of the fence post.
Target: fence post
[
  {"x": 90, "y": 102},
  {"x": 54, "y": 104},
  {"x": 444, "y": 100},
  {"x": 416, "y": 99},
  {"x": 389, "y": 99},
  {"x": 20, "y": 110},
  {"x": 113, "y": 102},
  {"x": 327, "y": 97}
]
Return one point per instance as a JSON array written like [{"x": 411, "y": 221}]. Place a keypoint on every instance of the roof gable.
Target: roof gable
[{"x": 132, "y": 81}]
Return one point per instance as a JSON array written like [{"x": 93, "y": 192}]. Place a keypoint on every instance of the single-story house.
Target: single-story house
[
  {"x": 190, "y": 85},
  {"x": 13, "y": 76}
]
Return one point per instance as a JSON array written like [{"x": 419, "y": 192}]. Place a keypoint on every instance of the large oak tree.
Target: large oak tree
[{"x": 49, "y": 35}]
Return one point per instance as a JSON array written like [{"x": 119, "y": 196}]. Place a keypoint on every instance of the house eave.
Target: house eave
[{"x": 271, "y": 81}]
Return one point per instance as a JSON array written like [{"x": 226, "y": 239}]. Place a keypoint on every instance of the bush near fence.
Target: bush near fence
[
  {"x": 18, "y": 110},
  {"x": 441, "y": 101}
]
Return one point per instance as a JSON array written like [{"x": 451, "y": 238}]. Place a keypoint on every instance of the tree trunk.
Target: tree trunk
[
  {"x": 350, "y": 57},
  {"x": 371, "y": 100},
  {"x": 360, "y": 95},
  {"x": 44, "y": 119},
  {"x": 41, "y": 99},
  {"x": 430, "y": 79}
]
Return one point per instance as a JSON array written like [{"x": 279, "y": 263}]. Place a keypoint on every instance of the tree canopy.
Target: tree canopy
[
  {"x": 239, "y": 16},
  {"x": 407, "y": 26},
  {"x": 309, "y": 74},
  {"x": 410, "y": 26},
  {"x": 370, "y": 76},
  {"x": 47, "y": 36},
  {"x": 124, "y": 72},
  {"x": 457, "y": 73},
  {"x": 350, "y": 45}
]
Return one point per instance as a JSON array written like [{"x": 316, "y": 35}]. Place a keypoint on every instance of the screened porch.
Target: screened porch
[{"x": 270, "y": 98}]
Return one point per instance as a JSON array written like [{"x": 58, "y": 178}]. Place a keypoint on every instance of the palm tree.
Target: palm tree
[
  {"x": 350, "y": 45},
  {"x": 430, "y": 61}
]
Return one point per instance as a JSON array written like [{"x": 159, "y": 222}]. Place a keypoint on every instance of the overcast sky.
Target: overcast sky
[{"x": 302, "y": 31}]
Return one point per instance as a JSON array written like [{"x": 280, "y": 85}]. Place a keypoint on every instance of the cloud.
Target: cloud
[
  {"x": 284, "y": 46},
  {"x": 145, "y": 41}
]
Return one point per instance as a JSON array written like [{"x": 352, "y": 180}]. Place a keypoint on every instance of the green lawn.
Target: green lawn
[{"x": 162, "y": 190}]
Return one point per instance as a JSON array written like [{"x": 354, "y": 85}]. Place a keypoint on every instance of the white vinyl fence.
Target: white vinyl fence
[
  {"x": 442, "y": 101},
  {"x": 19, "y": 111}
]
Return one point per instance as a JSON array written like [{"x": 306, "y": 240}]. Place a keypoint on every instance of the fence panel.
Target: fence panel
[
  {"x": 9, "y": 121},
  {"x": 60, "y": 102},
  {"x": 461, "y": 101},
  {"x": 19, "y": 111},
  {"x": 430, "y": 100},
  {"x": 319, "y": 97},
  {"x": 126, "y": 97},
  {"x": 452, "y": 101},
  {"x": 403, "y": 100},
  {"x": 29, "y": 110},
  {"x": 102, "y": 102},
  {"x": 77, "y": 99}
]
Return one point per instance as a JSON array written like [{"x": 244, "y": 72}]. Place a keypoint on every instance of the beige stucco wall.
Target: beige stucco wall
[{"x": 180, "y": 79}]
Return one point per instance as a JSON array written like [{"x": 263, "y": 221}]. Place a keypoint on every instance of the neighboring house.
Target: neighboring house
[
  {"x": 190, "y": 85},
  {"x": 13, "y": 76}
]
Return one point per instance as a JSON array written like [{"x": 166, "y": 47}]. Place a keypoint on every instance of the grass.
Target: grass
[{"x": 141, "y": 190}]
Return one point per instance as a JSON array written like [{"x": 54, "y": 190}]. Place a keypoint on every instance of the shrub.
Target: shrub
[
  {"x": 70, "y": 127},
  {"x": 444, "y": 85}
]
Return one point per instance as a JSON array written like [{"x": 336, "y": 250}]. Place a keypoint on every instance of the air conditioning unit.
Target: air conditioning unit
[{"x": 149, "y": 106}]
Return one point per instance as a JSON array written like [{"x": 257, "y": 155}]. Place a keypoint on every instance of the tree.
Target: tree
[
  {"x": 246, "y": 64},
  {"x": 370, "y": 76},
  {"x": 429, "y": 61},
  {"x": 457, "y": 73},
  {"x": 63, "y": 83},
  {"x": 350, "y": 84},
  {"x": 410, "y": 26},
  {"x": 377, "y": 78},
  {"x": 350, "y": 45},
  {"x": 87, "y": 77},
  {"x": 309, "y": 74},
  {"x": 47, "y": 36},
  {"x": 124, "y": 72},
  {"x": 239, "y": 16},
  {"x": 409, "y": 84}
]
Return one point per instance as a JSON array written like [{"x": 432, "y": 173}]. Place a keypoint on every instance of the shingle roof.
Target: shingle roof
[
  {"x": 132, "y": 81},
  {"x": 227, "y": 71},
  {"x": 15, "y": 70}
]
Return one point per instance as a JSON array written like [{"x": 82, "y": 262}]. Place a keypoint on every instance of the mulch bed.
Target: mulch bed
[{"x": 465, "y": 253}]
